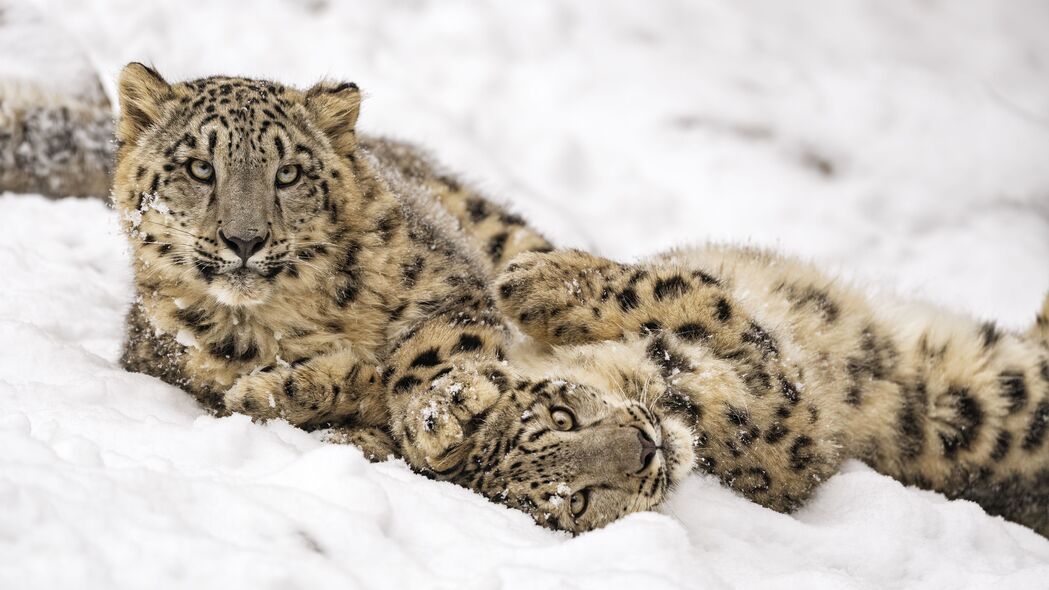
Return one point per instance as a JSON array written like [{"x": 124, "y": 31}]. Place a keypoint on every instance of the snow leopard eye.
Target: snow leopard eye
[
  {"x": 563, "y": 418},
  {"x": 288, "y": 174},
  {"x": 579, "y": 503},
  {"x": 200, "y": 170}
]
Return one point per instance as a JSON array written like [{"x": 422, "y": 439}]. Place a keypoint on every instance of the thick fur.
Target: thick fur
[
  {"x": 781, "y": 372},
  {"x": 364, "y": 291},
  {"x": 367, "y": 310}
]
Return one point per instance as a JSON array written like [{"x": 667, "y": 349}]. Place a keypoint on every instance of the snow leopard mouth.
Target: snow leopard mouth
[
  {"x": 676, "y": 448},
  {"x": 242, "y": 286}
]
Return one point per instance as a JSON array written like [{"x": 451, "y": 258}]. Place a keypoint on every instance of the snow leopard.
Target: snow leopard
[
  {"x": 287, "y": 267},
  {"x": 751, "y": 366}
]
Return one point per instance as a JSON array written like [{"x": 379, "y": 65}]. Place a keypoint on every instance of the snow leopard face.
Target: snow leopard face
[
  {"x": 234, "y": 185},
  {"x": 578, "y": 458}
]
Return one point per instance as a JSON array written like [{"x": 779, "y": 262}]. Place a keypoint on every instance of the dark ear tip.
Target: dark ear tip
[
  {"x": 137, "y": 67},
  {"x": 327, "y": 88}
]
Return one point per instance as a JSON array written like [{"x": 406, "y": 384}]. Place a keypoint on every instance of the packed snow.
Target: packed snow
[{"x": 905, "y": 144}]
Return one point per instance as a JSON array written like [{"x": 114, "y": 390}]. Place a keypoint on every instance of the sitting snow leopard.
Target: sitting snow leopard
[
  {"x": 753, "y": 367},
  {"x": 287, "y": 267}
]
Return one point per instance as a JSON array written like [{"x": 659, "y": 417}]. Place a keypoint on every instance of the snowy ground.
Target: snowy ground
[{"x": 904, "y": 143}]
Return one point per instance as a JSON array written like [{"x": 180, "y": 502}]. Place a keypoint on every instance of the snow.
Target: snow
[{"x": 903, "y": 143}]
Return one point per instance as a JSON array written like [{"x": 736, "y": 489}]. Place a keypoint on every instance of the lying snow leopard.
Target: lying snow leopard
[
  {"x": 756, "y": 368},
  {"x": 287, "y": 267}
]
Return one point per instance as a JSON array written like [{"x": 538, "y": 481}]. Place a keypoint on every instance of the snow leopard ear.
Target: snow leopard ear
[
  {"x": 142, "y": 92},
  {"x": 335, "y": 107}
]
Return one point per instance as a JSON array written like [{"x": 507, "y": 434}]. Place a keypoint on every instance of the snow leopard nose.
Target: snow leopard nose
[
  {"x": 648, "y": 448},
  {"x": 244, "y": 246}
]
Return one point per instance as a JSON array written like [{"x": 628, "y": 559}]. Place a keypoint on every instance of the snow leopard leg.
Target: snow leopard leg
[
  {"x": 331, "y": 389},
  {"x": 440, "y": 383}
]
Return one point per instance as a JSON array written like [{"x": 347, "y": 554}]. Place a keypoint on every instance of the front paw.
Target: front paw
[
  {"x": 375, "y": 443},
  {"x": 552, "y": 296},
  {"x": 258, "y": 396},
  {"x": 440, "y": 419}
]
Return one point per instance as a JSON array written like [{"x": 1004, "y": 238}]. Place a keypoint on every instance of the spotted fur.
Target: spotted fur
[
  {"x": 362, "y": 291},
  {"x": 777, "y": 372}
]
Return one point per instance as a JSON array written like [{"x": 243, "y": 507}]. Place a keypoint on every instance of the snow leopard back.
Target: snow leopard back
[{"x": 931, "y": 398}]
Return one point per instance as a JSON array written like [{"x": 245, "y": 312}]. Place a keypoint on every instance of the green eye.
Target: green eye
[
  {"x": 579, "y": 502},
  {"x": 563, "y": 418},
  {"x": 200, "y": 170},
  {"x": 288, "y": 174}
]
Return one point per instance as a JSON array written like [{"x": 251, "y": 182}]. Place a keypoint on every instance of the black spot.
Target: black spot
[
  {"x": 628, "y": 299},
  {"x": 477, "y": 209},
  {"x": 387, "y": 224},
  {"x": 410, "y": 271},
  {"x": 724, "y": 310},
  {"x": 1014, "y": 389},
  {"x": 428, "y": 358},
  {"x": 966, "y": 427},
  {"x": 759, "y": 480},
  {"x": 790, "y": 391},
  {"x": 758, "y": 382},
  {"x": 499, "y": 378},
  {"x": 669, "y": 360},
  {"x": 290, "y": 387},
  {"x": 747, "y": 437},
  {"x": 801, "y": 455},
  {"x": 636, "y": 277},
  {"x": 692, "y": 332},
  {"x": 442, "y": 373},
  {"x": 497, "y": 245},
  {"x": 762, "y": 340},
  {"x": 674, "y": 286},
  {"x": 990, "y": 334},
  {"x": 405, "y": 383},
  {"x": 225, "y": 348},
  {"x": 737, "y": 416},
  {"x": 349, "y": 285},
  {"x": 1037, "y": 427},
  {"x": 1001, "y": 445},
  {"x": 651, "y": 327},
  {"x": 775, "y": 433},
  {"x": 511, "y": 219},
  {"x": 814, "y": 414},
  {"x": 506, "y": 290},
  {"x": 195, "y": 317},
  {"x": 911, "y": 422},
  {"x": 854, "y": 395},
  {"x": 681, "y": 403},
  {"x": 818, "y": 300},
  {"x": 467, "y": 343},
  {"x": 705, "y": 278}
]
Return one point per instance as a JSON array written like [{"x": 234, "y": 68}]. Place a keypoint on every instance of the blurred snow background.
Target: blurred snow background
[{"x": 905, "y": 144}]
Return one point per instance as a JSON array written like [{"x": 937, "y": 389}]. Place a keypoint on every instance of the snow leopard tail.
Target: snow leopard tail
[{"x": 967, "y": 410}]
